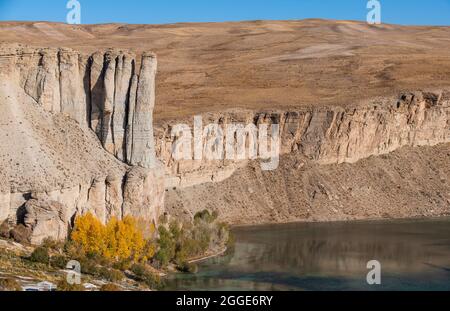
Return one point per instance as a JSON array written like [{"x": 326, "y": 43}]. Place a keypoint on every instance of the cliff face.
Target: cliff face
[
  {"x": 78, "y": 138},
  {"x": 326, "y": 136},
  {"x": 103, "y": 91}
]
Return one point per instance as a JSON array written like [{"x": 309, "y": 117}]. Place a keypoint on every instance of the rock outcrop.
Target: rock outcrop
[
  {"x": 77, "y": 137},
  {"x": 324, "y": 135},
  {"x": 46, "y": 219},
  {"x": 104, "y": 92}
]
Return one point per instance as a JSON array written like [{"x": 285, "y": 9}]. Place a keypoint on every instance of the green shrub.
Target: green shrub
[
  {"x": 144, "y": 275},
  {"x": 122, "y": 265},
  {"x": 40, "y": 255},
  {"x": 167, "y": 247},
  {"x": 187, "y": 267},
  {"x": 202, "y": 234},
  {"x": 59, "y": 261},
  {"x": 186, "y": 249},
  {"x": 139, "y": 270}
]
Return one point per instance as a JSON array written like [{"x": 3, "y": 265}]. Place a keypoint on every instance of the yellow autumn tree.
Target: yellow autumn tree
[
  {"x": 126, "y": 239},
  {"x": 117, "y": 240},
  {"x": 89, "y": 233}
]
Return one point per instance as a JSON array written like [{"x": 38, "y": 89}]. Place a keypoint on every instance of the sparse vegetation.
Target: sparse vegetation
[
  {"x": 110, "y": 288},
  {"x": 187, "y": 267},
  {"x": 40, "y": 255},
  {"x": 111, "y": 275},
  {"x": 10, "y": 285},
  {"x": 64, "y": 286},
  {"x": 145, "y": 275},
  {"x": 127, "y": 248}
]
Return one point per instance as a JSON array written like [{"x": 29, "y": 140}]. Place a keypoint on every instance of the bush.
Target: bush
[
  {"x": 40, "y": 255},
  {"x": 110, "y": 288},
  {"x": 122, "y": 265},
  {"x": 73, "y": 250},
  {"x": 64, "y": 286},
  {"x": 88, "y": 266},
  {"x": 167, "y": 246},
  {"x": 187, "y": 267},
  {"x": 188, "y": 248},
  {"x": 52, "y": 244},
  {"x": 10, "y": 285},
  {"x": 111, "y": 275},
  {"x": 59, "y": 262},
  {"x": 139, "y": 270},
  {"x": 143, "y": 274}
]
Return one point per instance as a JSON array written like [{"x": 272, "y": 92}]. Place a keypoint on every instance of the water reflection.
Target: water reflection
[{"x": 413, "y": 254}]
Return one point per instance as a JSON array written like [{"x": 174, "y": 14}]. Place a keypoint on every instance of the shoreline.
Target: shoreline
[
  {"x": 358, "y": 220},
  {"x": 208, "y": 256}
]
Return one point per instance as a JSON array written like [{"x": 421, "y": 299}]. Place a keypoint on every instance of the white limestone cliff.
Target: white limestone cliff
[{"x": 77, "y": 137}]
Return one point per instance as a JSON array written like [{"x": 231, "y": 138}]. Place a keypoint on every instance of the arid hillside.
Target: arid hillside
[{"x": 264, "y": 64}]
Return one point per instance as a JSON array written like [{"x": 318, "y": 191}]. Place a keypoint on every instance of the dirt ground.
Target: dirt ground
[{"x": 264, "y": 64}]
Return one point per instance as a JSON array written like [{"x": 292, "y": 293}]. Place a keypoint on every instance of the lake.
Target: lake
[{"x": 414, "y": 255}]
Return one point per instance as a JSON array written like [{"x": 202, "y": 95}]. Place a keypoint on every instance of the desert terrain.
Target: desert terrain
[{"x": 209, "y": 67}]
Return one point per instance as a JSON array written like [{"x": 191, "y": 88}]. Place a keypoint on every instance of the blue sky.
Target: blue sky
[{"x": 407, "y": 12}]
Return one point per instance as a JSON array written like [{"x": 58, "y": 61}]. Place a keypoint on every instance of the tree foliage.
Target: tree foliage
[{"x": 118, "y": 240}]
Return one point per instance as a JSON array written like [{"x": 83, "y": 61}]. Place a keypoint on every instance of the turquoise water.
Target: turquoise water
[{"x": 414, "y": 255}]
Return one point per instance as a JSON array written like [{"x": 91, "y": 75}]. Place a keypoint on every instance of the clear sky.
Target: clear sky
[{"x": 408, "y": 12}]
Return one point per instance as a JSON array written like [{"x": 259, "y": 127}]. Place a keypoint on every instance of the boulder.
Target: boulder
[{"x": 45, "y": 219}]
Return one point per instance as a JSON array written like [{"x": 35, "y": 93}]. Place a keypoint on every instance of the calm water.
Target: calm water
[{"x": 414, "y": 255}]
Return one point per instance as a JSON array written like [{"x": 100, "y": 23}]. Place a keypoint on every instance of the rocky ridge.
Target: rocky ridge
[{"x": 331, "y": 135}]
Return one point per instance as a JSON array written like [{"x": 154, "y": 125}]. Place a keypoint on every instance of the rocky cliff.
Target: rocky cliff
[
  {"x": 330, "y": 135},
  {"x": 77, "y": 136}
]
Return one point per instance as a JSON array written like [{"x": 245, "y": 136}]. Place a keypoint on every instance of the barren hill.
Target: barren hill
[{"x": 205, "y": 67}]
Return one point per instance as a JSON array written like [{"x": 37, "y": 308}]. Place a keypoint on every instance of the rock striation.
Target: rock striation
[
  {"x": 331, "y": 135},
  {"x": 77, "y": 137}
]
